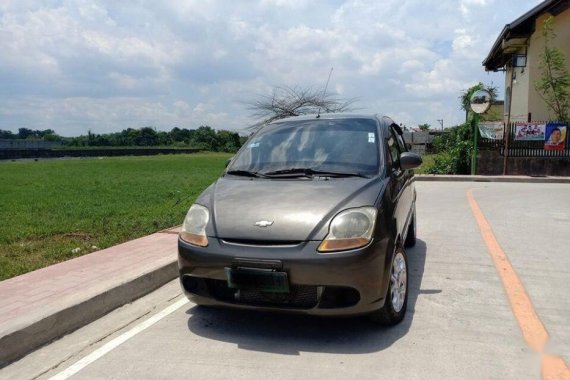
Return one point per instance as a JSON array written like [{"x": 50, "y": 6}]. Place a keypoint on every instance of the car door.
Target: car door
[
  {"x": 408, "y": 194},
  {"x": 397, "y": 180}
]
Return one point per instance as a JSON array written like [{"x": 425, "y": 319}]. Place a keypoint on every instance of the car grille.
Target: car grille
[
  {"x": 262, "y": 243},
  {"x": 299, "y": 296}
]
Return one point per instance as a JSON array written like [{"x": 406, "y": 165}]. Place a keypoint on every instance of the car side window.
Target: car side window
[
  {"x": 393, "y": 149},
  {"x": 401, "y": 143}
]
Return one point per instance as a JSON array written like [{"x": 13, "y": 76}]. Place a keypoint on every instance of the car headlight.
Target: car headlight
[
  {"x": 194, "y": 226},
  {"x": 350, "y": 229}
]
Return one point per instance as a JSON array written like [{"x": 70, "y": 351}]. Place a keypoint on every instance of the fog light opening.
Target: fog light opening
[{"x": 338, "y": 297}]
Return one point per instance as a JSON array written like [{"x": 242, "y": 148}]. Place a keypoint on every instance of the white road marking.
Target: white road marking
[{"x": 108, "y": 347}]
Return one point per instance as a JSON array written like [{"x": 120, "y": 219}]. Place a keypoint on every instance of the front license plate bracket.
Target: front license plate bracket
[{"x": 264, "y": 280}]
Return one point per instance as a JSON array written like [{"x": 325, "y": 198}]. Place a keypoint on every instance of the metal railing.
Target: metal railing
[{"x": 514, "y": 147}]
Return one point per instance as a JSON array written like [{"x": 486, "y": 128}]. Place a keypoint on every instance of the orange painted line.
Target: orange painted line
[
  {"x": 534, "y": 332},
  {"x": 554, "y": 368},
  {"x": 532, "y": 328}
]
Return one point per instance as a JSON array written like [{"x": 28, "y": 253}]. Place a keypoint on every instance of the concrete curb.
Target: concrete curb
[
  {"x": 25, "y": 340},
  {"x": 486, "y": 178}
]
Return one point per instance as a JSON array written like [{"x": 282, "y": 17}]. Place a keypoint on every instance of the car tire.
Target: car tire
[
  {"x": 396, "y": 301},
  {"x": 411, "y": 236}
]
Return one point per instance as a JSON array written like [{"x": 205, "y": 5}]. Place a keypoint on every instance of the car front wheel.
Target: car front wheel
[{"x": 396, "y": 301}]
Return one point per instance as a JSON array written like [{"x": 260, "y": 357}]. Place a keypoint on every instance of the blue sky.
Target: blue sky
[{"x": 103, "y": 66}]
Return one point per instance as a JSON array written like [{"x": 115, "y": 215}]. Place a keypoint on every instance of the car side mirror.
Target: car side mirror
[{"x": 410, "y": 160}]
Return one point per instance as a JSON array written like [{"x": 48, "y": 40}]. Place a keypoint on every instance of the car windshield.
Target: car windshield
[{"x": 340, "y": 146}]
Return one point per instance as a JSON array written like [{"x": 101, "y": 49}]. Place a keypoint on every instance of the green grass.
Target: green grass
[
  {"x": 428, "y": 162},
  {"x": 50, "y": 207}
]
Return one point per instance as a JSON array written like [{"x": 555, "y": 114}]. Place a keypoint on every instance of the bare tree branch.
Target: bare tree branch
[{"x": 295, "y": 101}]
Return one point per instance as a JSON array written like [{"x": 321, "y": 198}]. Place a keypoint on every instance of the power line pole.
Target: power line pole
[{"x": 441, "y": 122}]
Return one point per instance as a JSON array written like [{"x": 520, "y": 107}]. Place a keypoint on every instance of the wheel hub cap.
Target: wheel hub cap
[{"x": 399, "y": 281}]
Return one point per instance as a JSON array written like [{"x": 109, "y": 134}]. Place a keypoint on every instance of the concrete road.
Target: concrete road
[{"x": 460, "y": 322}]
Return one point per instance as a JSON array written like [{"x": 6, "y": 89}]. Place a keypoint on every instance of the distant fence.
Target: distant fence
[
  {"x": 46, "y": 153},
  {"x": 420, "y": 141},
  {"x": 23, "y": 144},
  {"x": 514, "y": 145}
]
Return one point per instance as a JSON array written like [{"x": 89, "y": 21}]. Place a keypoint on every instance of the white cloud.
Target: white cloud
[{"x": 89, "y": 64}]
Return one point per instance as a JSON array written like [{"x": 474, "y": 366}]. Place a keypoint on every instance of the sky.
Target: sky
[{"x": 75, "y": 66}]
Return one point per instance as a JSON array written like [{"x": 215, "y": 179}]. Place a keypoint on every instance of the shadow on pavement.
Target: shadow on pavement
[{"x": 290, "y": 334}]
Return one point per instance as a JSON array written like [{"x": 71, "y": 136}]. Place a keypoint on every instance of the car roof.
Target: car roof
[{"x": 332, "y": 116}]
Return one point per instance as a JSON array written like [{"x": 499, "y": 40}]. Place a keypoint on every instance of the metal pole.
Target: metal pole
[
  {"x": 508, "y": 126},
  {"x": 474, "y": 122},
  {"x": 441, "y": 122}
]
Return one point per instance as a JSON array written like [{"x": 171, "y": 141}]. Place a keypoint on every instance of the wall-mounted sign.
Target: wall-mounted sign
[
  {"x": 555, "y": 136},
  {"x": 492, "y": 130},
  {"x": 530, "y": 131}
]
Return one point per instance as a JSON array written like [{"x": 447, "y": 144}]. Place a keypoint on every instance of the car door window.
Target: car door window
[
  {"x": 393, "y": 150},
  {"x": 401, "y": 143}
]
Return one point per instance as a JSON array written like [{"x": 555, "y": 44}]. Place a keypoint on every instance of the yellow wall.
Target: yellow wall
[
  {"x": 520, "y": 92},
  {"x": 525, "y": 98},
  {"x": 536, "y": 105}
]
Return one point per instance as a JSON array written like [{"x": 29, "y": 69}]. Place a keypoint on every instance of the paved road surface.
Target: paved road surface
[{"x": 460, "y": 323}]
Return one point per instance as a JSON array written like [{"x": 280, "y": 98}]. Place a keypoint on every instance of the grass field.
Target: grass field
[
  {"x": 50, "y": 207},
  {"x": 428, "y": 161}
]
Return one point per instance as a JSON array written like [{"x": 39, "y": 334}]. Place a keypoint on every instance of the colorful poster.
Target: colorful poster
[
  {"x": 530, "y": 131},
  {"x": 555, "y": 136},
  {"x": 492, "y": 130}
]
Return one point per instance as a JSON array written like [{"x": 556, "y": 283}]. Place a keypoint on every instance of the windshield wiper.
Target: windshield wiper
[
  {"x": 310, "y": 172},
  {"x": 245, "y": 173}
]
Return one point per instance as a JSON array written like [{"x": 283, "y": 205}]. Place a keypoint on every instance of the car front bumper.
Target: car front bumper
[{"x": 347, "y": 283}]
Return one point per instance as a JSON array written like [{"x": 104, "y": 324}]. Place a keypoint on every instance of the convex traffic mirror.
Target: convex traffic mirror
[{"x": 480, "y": 101}]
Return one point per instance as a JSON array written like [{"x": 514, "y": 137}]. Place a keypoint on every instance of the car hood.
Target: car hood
[{"x": 298, "y": 210}]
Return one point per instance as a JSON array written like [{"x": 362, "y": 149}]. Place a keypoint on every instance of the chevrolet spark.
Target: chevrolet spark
[{"x": 312, "y": 215}]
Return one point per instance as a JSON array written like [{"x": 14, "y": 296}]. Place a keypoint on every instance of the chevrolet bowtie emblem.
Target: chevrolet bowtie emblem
[{"x": 264, "y": 223}]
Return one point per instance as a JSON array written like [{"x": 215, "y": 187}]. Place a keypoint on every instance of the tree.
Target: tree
[
  {"x": 7, "y": 134},
  {"x": 554, "y": 83},
  {"x": 205, "y": 138},
  {"x": 295, "y": 101},
  {"x": 24, "y": 133},
  {"x": 147, "y": 137},
  {"x": 424, "y": 127}
]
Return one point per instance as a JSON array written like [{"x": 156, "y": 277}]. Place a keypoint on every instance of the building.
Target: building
[{"x": 517, "y": 52}]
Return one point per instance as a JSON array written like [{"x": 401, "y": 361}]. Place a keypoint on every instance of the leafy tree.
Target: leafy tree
[
  {"x": 295, "y": 101},
  {"x": 7, "y": 134},
  {"x": 147, "y": 137},
  {"x": 205, "y": 138},
  {"x": 181, "y": 135},
  {"x": 424, "y": 127},
  {"x": 554, "y": 83},
  {"x": 228, "y": 141},
  {"x": 24, "y": 133}
]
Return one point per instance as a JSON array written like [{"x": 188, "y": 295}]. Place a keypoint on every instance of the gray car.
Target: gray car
[{"x": 312, "y": 216}]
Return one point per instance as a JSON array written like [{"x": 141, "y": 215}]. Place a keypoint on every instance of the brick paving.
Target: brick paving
[{"x": 30, "y": 297}]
